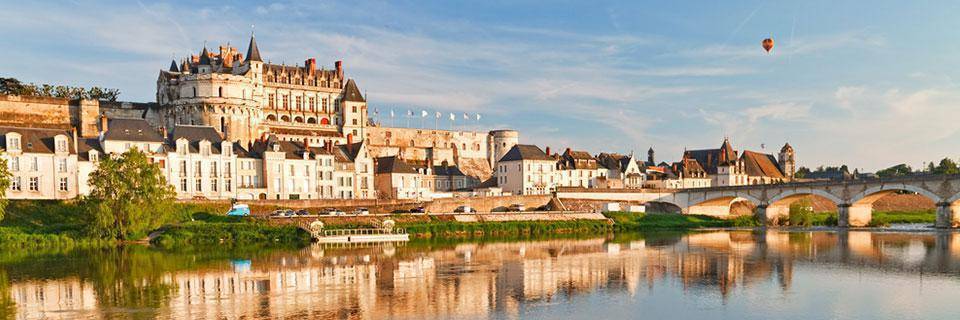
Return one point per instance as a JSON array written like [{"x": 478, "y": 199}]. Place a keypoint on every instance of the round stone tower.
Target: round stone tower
[{"x": 499, "y": 142}]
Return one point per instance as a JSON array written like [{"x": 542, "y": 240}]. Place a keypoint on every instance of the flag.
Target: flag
[
  {"x": 376, "y": 111},
  {"x": 465, "y": 116},
  {"x": 453, "y": 117},
  {"x": 423, "y": 113},
  {"x": 438, "y": 114},
  {"x": 478, "y": 117},
  {"x": 409, "y": 113},
  {"x": 391, "y": 113}
]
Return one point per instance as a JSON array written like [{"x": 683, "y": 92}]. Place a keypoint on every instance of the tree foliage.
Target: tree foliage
[
  {"x": 4, "y": 185},
  {"x": 895, "y": 171},
  {"x": 129, "y": 197},
  {"x": 12, "y": 86},
  {"x": 946, "y": 166}
]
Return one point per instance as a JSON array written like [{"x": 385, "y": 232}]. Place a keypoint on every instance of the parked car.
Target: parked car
[
  {"x": 463, "y": 209},
  {"x": 418, "y": 210},
  {"x": 517, "y": 207},
  {"x": 303, "y": 212},
  {"x": 334, "y": 212},
  {"x": 361, "y": 211},
  {"x": 239, "y": 210},
  {"x": 281, "y": 213}
]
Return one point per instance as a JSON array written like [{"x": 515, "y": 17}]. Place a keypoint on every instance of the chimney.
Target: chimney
[
  {"x": 339, "y": 66},
  {"x": 163, "y": 132},
  {"x": 548, "y": 151},
  {"x": 350, "y": 142},
  {"x": 73, "y": 131},
  {"x": 311, "y": 65},
  {"x": 567, "y": 151},
  {"x": 103, "y": 123}
]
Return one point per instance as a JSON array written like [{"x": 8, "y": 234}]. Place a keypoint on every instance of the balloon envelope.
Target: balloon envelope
[{"x": 767, "y": 44}]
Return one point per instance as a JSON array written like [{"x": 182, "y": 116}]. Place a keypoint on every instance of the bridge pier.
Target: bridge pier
[
  {"x": 947, "y": 215},
  {"x": 854, "y": 215},
  {"x": 770, "y": 215}
]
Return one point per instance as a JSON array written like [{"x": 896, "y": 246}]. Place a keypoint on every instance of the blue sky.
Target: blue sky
[{"x": 869, "y": 85}]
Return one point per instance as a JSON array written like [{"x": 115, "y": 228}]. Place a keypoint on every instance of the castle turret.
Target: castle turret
[
  {"x": 173, "y": 66},
  {"x": 650, "y": 157},
  {"x": 499, "y": 142},
  {"x": 354, "y": 110}
]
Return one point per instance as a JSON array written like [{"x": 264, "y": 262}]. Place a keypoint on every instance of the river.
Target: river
[{"x": 701, "y": 275}]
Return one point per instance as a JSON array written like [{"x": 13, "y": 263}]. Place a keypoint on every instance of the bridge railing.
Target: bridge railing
[{"x": 899, "y": 179}]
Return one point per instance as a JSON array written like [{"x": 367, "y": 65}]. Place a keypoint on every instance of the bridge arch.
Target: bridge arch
[
  {"x": 858, "y": 212},
  {"x": 778, "y": 207},
  {"x": 871, "y": 195},
  {"x": 721, "y": 205},
  {"x": 789, "y": 196}
]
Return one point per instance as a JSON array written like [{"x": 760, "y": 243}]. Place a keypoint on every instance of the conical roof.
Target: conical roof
[
  {"x": 204, "y": 57},
  {"x": 253, "y": 53},
  {"x": 173, "y": 66},
  {"x": 352, "y": 93}
]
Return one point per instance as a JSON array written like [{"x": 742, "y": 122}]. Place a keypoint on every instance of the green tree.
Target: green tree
[
  {"x": 895, "y": 171},
  {"x": 946, "y": 166},
  {"x": 4, "y": 185},
  {"x": 801, "y": 172},
  {"x": 129, "y": 197}
]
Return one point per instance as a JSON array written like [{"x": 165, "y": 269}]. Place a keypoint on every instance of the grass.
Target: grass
[
  {"x": 886, "y": 218},
  {"x": 453, "y": 229},
  {"x": 665, "y": 221},
  {"x": 233, "y": 233}
]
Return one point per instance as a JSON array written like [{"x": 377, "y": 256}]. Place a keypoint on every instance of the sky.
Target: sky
[{"x": 869, "y": 85}]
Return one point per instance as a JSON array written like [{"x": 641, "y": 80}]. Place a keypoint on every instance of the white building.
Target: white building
[
  {"x": 42, "y": 162},
  {"x": 526, "y": 170}
]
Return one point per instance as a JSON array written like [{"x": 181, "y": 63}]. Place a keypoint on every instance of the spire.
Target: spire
[
  {"x": 204, "y": 56},
  {"x": 173, "y": 66},
  {"x": 253, "y": 53}
]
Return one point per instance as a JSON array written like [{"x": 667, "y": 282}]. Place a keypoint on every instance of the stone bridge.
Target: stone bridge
[{"x": 854, "y": 198}]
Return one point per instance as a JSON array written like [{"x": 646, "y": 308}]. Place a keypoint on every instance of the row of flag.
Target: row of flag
[{"x": 438, "y": 114}]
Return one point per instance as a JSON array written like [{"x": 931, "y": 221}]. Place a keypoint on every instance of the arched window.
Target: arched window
[
  {"x": 285, "y": 118},
  {"x": 325, "y": 121},
  {"x": 271, "y": 117}
]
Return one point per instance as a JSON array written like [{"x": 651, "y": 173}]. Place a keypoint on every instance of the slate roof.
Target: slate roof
[
  {"x": 352, "y": 93},
  {"x": 387, "y": 165},
  {"x": 131, "y": 130},
  {"x": 447, "y": 170},
  {"x": 86, "y": 145},
  {"x": 761, "y": 164},
  {"x": 253, "y": 52},
  {"x": 525, "y": 152},
  {"x": 35, "y": 140}
]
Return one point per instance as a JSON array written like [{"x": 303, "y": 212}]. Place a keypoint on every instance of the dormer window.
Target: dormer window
[
  {"x": 204, "y": 148},
  {"x": 226, "y": 148},
  {"x": 61, "y": 144},
  {"x": 13, "y": 141},
  {"x": 182, "y": 147}
]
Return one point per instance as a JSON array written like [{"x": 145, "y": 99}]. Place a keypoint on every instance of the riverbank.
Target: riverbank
[
  {"x": 40, "y": 224},
  {"x": 635, "y": 221}
]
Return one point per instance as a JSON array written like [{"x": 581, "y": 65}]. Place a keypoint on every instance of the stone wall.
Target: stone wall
[
  {"x": 466, "y": 149},
  {"x": 487, "y": 204},
  {"x": 38, "y": 112}
]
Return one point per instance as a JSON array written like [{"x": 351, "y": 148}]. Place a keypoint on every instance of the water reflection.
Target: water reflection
[{"x": 673, "y": 274}]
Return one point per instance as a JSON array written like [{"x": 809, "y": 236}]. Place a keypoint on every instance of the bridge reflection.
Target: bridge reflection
[{"x": 477, "y": 280}]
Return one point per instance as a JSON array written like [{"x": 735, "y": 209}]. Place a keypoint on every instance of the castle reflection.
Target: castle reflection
[{"x": 471, "y": 280}]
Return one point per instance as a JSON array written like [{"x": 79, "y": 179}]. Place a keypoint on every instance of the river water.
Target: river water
[{"x": 702, "y": 275}]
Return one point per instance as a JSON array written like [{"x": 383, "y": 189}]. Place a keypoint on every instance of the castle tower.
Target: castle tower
[
  {"x": 354, "y": 111},
  {"x": 499, "y": 142},
  {"x": 650, "y": 157},
  {"x": 787, "y": 161}
]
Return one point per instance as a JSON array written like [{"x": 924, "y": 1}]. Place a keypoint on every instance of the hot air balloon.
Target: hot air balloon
[{"x": 767, "y": 44}]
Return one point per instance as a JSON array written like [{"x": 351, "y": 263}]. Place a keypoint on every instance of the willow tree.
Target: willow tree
[{"x": 129, "y": 197}]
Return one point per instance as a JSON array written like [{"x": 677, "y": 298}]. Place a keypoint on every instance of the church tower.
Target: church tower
[
  {"x": 650, "y": 157},
  {"x": 787, "y": 162}
]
